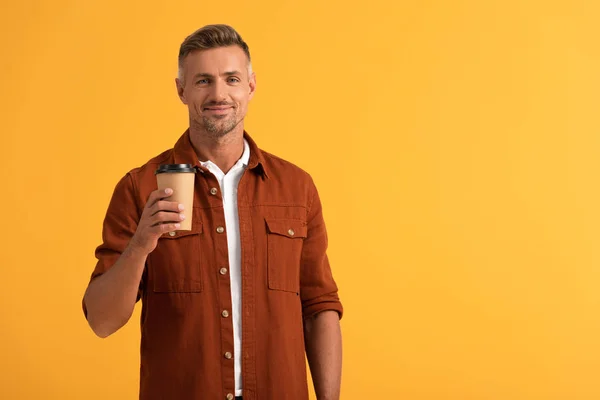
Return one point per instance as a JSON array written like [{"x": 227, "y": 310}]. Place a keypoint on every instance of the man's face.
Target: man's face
[{"x": 217, "y": 88}]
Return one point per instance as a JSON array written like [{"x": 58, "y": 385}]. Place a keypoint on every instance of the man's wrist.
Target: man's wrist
[{"x": 135, "y": 253}]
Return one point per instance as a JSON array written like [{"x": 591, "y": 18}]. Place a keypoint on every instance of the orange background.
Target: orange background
[{"x": 455, "y": 145}]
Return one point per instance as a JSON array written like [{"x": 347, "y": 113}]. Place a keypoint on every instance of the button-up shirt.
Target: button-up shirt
[{"x": 188, "y": 344}]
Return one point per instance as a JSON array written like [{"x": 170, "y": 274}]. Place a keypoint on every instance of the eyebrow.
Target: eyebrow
[{"x": 207, "y": 75}]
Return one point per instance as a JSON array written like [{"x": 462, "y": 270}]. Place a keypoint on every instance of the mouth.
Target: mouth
[{"x": 218, "y": 109}]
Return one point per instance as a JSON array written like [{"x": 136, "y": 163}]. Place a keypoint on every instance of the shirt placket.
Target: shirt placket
[
  {"x": 224, "y": 284},
  {"x": 248, "y": 296}
]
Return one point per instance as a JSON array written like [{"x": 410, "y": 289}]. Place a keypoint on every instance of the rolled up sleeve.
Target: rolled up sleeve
[
  {"x": 318, "y": 290},
  {"x": 120, "y": 224}
]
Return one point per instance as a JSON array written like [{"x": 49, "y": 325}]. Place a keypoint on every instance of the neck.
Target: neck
[{"x": 224, "y": 151}]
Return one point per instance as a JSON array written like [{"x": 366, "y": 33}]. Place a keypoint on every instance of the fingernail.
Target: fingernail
[
  {"x": 181, "y": 207},
  {"x": 168, "y": 191},
  {"x": 177, "y": 225},
  {"x": 181, "y": 216}
]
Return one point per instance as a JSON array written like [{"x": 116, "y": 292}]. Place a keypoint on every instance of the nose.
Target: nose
[{"x": 219, "y": 91}]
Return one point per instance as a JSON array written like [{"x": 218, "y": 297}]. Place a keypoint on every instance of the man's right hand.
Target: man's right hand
[{"x": 159, "y": 216}]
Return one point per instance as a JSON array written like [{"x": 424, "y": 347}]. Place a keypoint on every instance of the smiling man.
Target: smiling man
[{"x": 230, "y": 308}]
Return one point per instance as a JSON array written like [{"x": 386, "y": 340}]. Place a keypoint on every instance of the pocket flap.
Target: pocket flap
[{"x": 292, "y": 228}]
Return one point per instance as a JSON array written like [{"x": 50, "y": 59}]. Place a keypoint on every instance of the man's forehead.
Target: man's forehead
[{"x": 230, "y": 58}]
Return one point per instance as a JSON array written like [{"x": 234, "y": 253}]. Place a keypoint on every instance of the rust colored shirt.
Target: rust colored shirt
[{"x": 186, "y": 341}]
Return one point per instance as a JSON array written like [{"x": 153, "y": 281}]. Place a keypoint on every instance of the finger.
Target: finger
[
  {"x": 158, "y": 195},
  {"x": 162, "y": 205},
  {"x": 162, "y": 228},
  {"x": 163, "y": 217}
]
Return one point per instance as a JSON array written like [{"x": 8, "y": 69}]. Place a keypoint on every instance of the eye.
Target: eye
[
  {"x": 201, "y": 81},
  {"x": 233, "y": 80}
]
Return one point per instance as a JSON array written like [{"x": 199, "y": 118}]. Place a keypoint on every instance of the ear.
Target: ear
[
  {"x": 181, "y": 90},
  {"x": 252, "y": 85}
]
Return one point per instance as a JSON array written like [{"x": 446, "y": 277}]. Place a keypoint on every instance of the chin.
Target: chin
[{"x": 219, "y": 131}]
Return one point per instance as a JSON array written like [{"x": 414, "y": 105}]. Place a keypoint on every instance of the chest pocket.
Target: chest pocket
[
  {"x": 284, "y": 249},
  {"x": 174, "y": 265}
]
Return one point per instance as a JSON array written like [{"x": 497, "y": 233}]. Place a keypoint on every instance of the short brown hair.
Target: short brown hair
[{"x": 211, "y": 37}]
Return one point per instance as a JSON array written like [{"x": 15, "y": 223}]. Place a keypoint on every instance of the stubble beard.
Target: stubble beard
[{"x": 218, "y": 128}]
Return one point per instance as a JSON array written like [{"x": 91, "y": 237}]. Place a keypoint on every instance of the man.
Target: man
[{"x": 229, "y": 308}]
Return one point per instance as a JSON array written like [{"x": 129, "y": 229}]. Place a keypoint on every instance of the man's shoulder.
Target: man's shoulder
[
  {"x": 149, "y": 167},
  {"x": 278, "y": 167}
]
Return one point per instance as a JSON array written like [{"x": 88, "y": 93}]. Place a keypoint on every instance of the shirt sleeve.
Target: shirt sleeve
[
  {"x": 318, "y": 290},
  {"x": 120, "y": 224}
]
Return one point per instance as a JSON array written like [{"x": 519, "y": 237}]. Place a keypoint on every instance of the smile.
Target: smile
[{"x": 219, "y": 108}]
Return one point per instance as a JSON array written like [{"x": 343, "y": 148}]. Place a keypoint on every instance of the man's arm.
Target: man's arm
[
  {"x": 110, "y": 298},
  {"x": 115, "y": 285},
  {"x": 323, "y": 341},
  {"x": 321, "y": 306}
]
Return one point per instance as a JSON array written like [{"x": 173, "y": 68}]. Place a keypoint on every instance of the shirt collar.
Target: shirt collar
[
  {"x": 242, "y": 162},
  {"x": 183, "y": 153}
]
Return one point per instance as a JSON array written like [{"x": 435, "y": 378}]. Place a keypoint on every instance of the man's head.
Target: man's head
[{"x": 215, "y": 79}]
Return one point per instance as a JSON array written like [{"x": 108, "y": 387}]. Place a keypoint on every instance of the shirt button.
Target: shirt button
[
  {"x": 213, "y": 191},
  {"x": 172, "y": 233},
  {"x": 223, "y": 271},
  {"x": 229, "y": 396},
  {"x": 228, "y": 355},
  {"x": 220, "y": 229},
  {"x": 291, "y": 232},
  {"x": 225, "y": 313}
]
